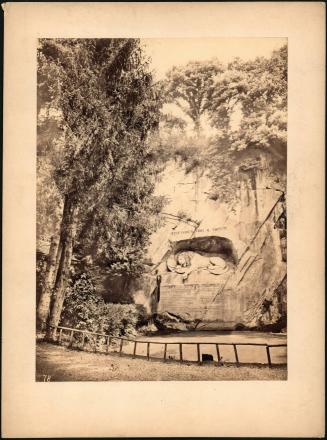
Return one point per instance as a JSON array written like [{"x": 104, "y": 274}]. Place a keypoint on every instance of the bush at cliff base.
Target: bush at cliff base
[{"x": 84, "y": 309}]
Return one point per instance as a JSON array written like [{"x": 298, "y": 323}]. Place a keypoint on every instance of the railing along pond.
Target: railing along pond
[{"x": 110, "y": 339}]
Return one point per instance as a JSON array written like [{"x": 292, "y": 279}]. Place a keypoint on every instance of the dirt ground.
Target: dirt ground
[{"x": 58, "y": 364}]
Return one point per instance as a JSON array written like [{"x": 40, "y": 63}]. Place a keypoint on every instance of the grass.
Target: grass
[{"x": 58, "y": 364}]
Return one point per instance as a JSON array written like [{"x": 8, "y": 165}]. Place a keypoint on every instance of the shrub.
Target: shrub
[
  {"x": 84, "y": 309},
  {"x": 120, "y": 319}
]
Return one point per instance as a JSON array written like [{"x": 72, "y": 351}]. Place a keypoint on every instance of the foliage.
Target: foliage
[
  {"x": 259, "y": 88},
  {"x": 173, "y": 142},
  {"x": 121, "y": 319},
  {"x": 190, "y": 87},
  {"x": 116, "y": 233},
  {"x": 257, "y": 92},
  {"x": 49, "y": 201},
  {"x": 103, "y": 92},
  {"x": 246, "y": 103},
  {"x": 86, "y": 310},
  {"x": 97, "y": 106},
  {"x": 82, "y": 307},
  {"x": 184, "y": 215},
  {"x": 222, "y": 171}
]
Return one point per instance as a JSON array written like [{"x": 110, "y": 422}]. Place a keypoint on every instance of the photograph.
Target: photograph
[
  {"x": 161, "y": 209},
  {"x": 163, "y": 227}
]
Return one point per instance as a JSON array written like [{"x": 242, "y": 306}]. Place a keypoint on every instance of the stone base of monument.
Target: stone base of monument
[
  {"x": 166, "y": 322},
  {"x": 197, "y": 306},
  {"x": 211, "y": 307}
]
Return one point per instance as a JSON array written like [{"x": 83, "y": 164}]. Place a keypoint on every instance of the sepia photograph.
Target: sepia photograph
[
  {"x": 161, "y": 235},
  {"x": 163, "y": 199}
]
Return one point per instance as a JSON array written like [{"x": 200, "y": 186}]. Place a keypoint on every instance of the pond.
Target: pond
[{"x": 208, "y": 341}]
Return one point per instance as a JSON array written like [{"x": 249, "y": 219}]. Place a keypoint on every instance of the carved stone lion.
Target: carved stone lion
[{"x": 186, "y": 262}]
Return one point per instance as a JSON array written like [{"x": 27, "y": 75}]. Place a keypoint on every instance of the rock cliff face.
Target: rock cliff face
[{"x": 218, "y": 271}]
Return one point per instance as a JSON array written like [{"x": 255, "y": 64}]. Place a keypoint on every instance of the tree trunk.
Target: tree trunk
[
  {"x": 44, "y": 302},
  {"x": 65, "y": 252},
  {"x": 58, "y": 256},
  {"x": 197, "y": 126}
]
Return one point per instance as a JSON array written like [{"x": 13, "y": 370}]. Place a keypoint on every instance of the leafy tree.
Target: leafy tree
[
  {"x": 247, "y": 106},
  {"x": 190, "y": 87},
  {"x": 102, "y": 96},
  {"x": 259, "y": 87},
  {"x": 115, "y": 234},
  {"x": 257, "y": 92}
]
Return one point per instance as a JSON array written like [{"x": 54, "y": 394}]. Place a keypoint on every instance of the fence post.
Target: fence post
[
  {"x": 71, "y": 338},
  {"x": 218, "y": 352},
  {"x": 148, "y": 351},
  {"x": 121, "y": 347},
  {"x": 268, "y": 355},
  {"x": 165, "y": 353},
  {"x": 236, "y": 355},
  {"x": 108, "y": 343},
  {"x": 60, "y": 335},
  {"x": 55, "y": 330},
  {"x": 83, "y": 340},
  {"x": 199, "y": 356},
  {"x": 134, "y": 351},
  {"x": 181, "y": 352}
]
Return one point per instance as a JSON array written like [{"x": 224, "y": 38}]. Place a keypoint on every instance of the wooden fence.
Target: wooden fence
[{"x": 109, "y": 341}]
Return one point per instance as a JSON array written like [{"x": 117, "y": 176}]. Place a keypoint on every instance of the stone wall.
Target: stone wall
[{"x": 197, "y": 291}]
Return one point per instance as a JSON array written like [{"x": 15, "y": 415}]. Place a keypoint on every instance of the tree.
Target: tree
[
  {"x": 105, "y": 105},
  {"x": 256, "y": 92},
  {"x": 190, "y": 87},
  {"x": 174, "y": 143},
  {"x": 260, "y": 89},
  {"x": 115, "y": 233}
]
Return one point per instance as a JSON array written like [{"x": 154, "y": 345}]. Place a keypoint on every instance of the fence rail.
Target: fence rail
[{"x": 136, "y": 342}]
